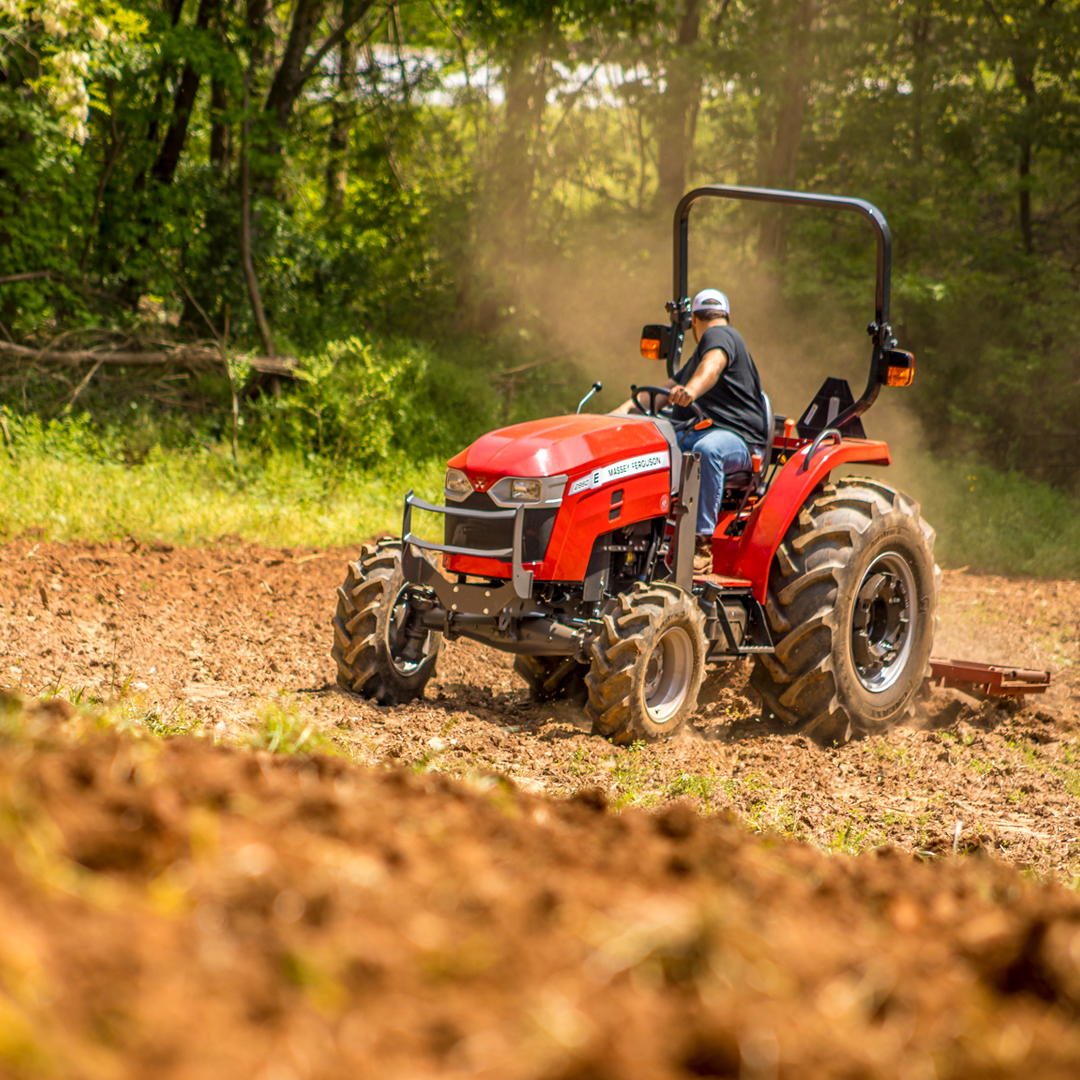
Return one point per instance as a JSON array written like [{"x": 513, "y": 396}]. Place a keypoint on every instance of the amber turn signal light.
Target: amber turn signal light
[
  {"x": 701, "y": 425},
  {"x": 655, "y": 340},
  {"x": 899, "y": 367}
]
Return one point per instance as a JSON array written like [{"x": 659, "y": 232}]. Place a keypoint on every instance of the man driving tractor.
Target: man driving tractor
[{"x": 721, "y": 378}]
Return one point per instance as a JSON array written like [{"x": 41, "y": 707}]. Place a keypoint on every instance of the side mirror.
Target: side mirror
[
  {"x": 897, "y": 367},
  {"x": 655, "y": 341}
]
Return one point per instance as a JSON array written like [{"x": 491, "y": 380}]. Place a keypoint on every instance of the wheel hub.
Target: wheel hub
[
  {"x": 883, "y": 622},
  {"x": 668, "y": 669},
  {"x": 404, "y": 654}
]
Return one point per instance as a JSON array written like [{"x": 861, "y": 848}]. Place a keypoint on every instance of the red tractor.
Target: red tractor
[{"x": 570, "y": 543}]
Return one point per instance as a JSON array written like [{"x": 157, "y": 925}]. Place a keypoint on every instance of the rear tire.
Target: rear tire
[
  {"x": 647, "y": 665},
  {"x": 366, "y": 646},
  {"x": 851, "y": 606}
]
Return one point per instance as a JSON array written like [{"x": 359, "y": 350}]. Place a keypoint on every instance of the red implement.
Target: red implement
[{"x": 987, "y": 679}]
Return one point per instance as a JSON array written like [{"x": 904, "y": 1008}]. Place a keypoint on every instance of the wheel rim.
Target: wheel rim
[
  {"x": 668, "y": 668},
  {"x": 883, "y": 622},
  {"x": 397, "y": 639}
]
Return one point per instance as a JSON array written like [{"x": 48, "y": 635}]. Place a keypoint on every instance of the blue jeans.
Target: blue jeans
[{"x": 721, "y": 452}]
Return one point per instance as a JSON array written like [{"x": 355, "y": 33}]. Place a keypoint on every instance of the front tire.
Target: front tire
[
  {"x": 851, "y": 606},
  {"x": 647, "y": 665},
  {"x": 368, "y": 641}
]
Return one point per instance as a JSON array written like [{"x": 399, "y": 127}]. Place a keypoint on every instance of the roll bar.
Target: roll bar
[{"x": 879, "y": 330}]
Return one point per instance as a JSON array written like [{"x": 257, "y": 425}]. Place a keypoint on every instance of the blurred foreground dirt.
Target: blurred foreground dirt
[{"x": 179, "y": 909}]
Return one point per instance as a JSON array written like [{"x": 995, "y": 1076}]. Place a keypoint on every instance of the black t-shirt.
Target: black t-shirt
[{"x": 734, "y": 400}]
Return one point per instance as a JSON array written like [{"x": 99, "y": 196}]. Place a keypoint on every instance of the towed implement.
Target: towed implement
[{"x": 570, "y": 542}]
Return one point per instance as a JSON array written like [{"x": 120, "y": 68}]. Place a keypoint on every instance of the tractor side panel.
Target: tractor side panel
[
  {"x": 591, "y": 514},
  {"x": 581, "y": 519},
  {"x": 750, "y": 555}
]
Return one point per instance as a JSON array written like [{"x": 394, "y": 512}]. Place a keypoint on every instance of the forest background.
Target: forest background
[{"x": 456, "y": 213}]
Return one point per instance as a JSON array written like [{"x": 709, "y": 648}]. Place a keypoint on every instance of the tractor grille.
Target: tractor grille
[{"x": 499, "y": 532}]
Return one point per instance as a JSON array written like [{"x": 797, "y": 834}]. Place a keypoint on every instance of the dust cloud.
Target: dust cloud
[{"x": 594, "y": 301}]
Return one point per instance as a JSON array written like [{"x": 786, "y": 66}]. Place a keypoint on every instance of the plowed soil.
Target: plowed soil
[
  {"x": 208, "y": 639},
  {"x": 419, "y": 905}
]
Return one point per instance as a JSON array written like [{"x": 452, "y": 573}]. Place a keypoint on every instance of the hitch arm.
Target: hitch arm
[{"x": 987, "y": 680}]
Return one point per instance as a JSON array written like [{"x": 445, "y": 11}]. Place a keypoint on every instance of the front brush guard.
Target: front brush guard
[{"x": 474, "y": 598}]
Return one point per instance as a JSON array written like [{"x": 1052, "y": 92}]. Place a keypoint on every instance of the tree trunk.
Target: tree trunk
[
  {"x": 782, "y": 162},
  {"x": 920, "y": 78},
  {"x": 256, "y": 17},
  {"x": 176, "y": 9},
  {"x": 1024, "y": 72},
  {"x": 293, "y": 72},
  {"x": 1023, "y": 53},
  {"x": 341, "y": 113},
  {"x": 220, "y": 132},
  {"x": 284, "y": 88},
  {"x": 1026, "y": 236},
  {"x": 131, "y": 289},
  {"x": 514, "y": 172},
  {"x": 220, "y": 128},
  {"x": 678, "y": 112},
  {"x": 165, "y": 167}
]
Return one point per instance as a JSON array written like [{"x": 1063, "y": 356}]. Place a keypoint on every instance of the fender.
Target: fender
[{"x": 750, "y": 555}]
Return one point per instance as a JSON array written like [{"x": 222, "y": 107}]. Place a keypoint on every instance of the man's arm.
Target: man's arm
[
  {"x": 708, "y": 371},
  {"x": 629, "y": 405}
]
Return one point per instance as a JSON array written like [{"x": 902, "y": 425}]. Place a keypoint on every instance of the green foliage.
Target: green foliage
[
  {"x": 70, "y": 439},
  {"x": 359, "y": 404},
  {"x": 343, "y": 407},
  {"x": 438, "y": 245}
]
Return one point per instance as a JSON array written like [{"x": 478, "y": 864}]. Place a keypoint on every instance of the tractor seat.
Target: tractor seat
[{"x": 735, "y": 486}]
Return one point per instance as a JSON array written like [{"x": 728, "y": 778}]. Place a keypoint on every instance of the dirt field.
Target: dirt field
[
  {"x": 183, "y": 909},
  {"x": 232, "y": 638}
]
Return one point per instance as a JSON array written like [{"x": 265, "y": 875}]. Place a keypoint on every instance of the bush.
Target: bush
[
  {"x": 342, "y": 406},
  {"x": 360, "y": 403}
]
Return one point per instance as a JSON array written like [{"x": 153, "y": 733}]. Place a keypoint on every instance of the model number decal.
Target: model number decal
[{"x": 620, "y": 470}]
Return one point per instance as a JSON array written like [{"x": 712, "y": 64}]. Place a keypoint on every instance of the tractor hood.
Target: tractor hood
[{"x": 557, "y": 445}]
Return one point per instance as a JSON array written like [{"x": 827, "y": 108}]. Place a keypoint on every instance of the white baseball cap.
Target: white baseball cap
[{"x": 711, "y": 300}]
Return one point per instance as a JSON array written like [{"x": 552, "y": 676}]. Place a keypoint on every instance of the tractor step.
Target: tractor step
[
  {"x": 719, "y": 581},
  {"x": 988, "y": 680}
]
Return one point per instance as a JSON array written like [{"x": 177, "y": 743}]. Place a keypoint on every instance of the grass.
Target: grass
[
  {"x": 282, "y": 730},
  {"x": 63, "y": 483},
  {"x": 190, "y": 497},
  {"x": 633, "y": 775},
  {"x": 1000, "y": 522},
  {"x": 688, "y": 784}
]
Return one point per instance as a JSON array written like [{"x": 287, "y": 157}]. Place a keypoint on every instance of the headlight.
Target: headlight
[
  {"x": 458, "y": 484},
  {"x": 525, "y": 490},
  {"x": 528, "y": 490}
]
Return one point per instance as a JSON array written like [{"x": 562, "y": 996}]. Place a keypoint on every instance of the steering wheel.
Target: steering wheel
[{"x": 652, "y": 410}]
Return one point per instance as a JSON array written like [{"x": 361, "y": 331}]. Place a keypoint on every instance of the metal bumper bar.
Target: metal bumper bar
[{"x": 522, "y": 579}]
